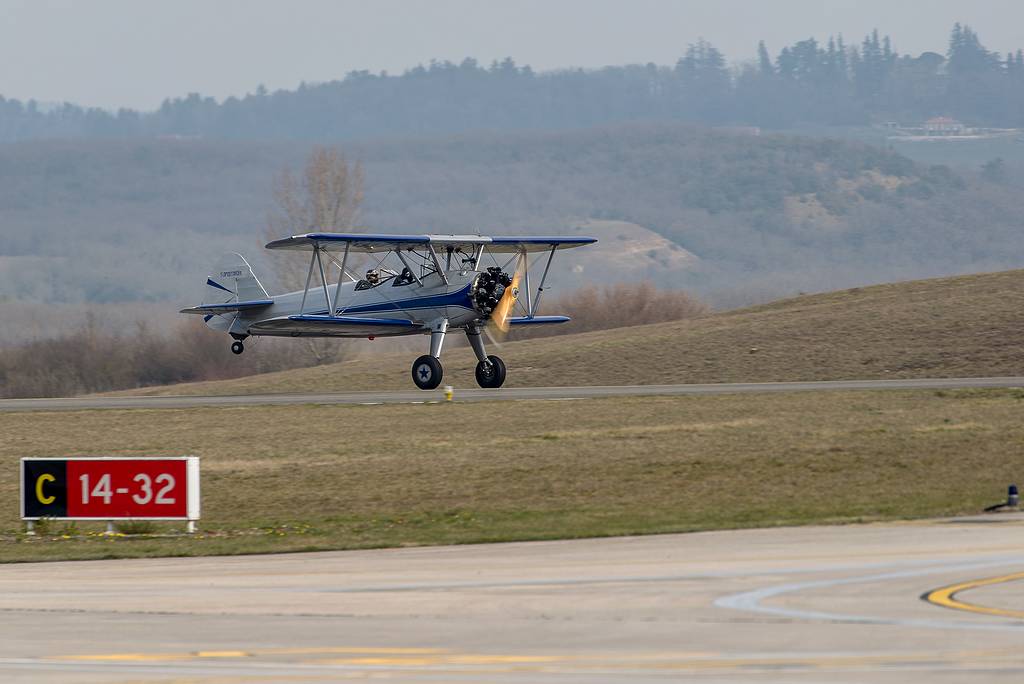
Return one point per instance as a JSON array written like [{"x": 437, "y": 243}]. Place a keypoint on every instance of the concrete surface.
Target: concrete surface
[
  {"x": 506, "y": 394},
  {"x": 811, "y": 604}
]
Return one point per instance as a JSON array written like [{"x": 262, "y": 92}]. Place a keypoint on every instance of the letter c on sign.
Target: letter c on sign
[{"x": 45, "y": 477}]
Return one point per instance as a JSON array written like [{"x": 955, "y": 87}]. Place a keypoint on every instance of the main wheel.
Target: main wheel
[
  {"x": 427, "y": 372},
  {"x": 237, "y": 347},
  {"x": 490, "y": 373}
]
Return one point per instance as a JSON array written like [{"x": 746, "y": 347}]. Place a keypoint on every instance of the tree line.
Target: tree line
[{"x": 809, "y": 82}]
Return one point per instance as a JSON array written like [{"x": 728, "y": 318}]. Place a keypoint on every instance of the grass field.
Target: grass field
[
  {"x": 967, "y": 326},
  {"x": 332, "y": 477}
]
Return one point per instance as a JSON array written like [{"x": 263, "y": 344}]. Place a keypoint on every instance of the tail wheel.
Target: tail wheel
[
  {"x": 427, "y": 372},
  {"x": 490, "y": 373},
  {"x": 237, "y": 347}
]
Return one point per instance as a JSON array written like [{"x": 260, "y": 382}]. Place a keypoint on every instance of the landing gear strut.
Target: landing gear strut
[
  {"x": 426, "y": 370},
  {"x": 490, "y": 371}
]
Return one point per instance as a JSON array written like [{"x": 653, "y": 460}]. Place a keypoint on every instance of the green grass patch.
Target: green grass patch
[{"x": 298, "y": 478}]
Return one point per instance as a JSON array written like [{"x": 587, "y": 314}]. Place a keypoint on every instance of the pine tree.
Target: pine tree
[
  {"x": 764, "y": 60},
  {"x": 786, "y": 65}
]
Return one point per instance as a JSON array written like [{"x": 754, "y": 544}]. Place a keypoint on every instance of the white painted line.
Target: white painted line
[{"x": 751, "y": 601}]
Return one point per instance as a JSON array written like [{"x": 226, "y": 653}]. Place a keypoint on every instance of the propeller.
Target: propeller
[{"x": 503, "y": 311}]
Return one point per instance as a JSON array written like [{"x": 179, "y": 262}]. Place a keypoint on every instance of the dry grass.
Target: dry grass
[
  {"x": 327, "y": 477},
  {"x": 950, "y": 327}
]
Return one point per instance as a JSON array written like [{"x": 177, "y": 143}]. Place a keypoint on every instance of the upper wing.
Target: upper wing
[
  {"x": 537, "y": 243},
  {"x": 379, "y": 242},
  {"x": 358, "y": 242}
]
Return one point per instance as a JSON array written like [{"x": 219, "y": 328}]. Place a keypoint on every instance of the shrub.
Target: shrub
[{"x": 616, "y": 306}]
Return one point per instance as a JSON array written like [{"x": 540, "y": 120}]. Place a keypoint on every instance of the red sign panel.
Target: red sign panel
[
  {"x": 110, "y": 488},
  {"x": 126, "y": 489}
]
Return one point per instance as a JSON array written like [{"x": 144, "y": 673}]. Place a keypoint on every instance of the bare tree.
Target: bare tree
[{"x": 326, "y": 197}]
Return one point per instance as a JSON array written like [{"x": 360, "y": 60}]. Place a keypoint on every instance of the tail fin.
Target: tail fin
[
  {"x": 233, "y": 277},
  {"x": 232, "y": 287}
]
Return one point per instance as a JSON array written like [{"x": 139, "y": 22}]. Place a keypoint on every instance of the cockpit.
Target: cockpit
[
  {"x": 406, "y": 277},
  {"x": 375, "y": 278}
]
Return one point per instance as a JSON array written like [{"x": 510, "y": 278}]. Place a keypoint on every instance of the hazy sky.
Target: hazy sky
[{"x": 134, "y": 53}]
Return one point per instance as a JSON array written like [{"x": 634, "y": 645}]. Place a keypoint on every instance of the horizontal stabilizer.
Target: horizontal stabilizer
[
  {"x": 538, "y": 320},
  {"x": 227, "y": 307}
]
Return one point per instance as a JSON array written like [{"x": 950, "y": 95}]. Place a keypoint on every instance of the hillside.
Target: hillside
[
  {"x": 113, "y": 222},
  {"x": 950, "y": 327}
]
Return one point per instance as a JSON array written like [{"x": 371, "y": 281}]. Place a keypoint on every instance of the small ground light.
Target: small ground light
[
  {"x": 1013, "y": 496},
  {"x": 449, "y": 392}
]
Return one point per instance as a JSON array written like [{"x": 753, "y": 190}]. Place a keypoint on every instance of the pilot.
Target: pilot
[{"x": 373, "y": 277}]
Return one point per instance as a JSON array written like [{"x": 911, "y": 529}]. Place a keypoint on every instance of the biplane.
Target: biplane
[{"x": 412, "y": 285}]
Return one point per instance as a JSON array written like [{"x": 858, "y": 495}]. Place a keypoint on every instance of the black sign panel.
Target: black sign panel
[{"x": 45, "y": 489}]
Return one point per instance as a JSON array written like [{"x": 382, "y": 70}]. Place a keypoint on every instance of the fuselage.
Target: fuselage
[{"x": 420, "y": 302}]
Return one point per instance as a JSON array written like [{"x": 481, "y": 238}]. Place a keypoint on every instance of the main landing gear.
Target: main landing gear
[
  {"x": 427, "y": 371},
  {"x": 490, "y": 370},
  {"x": 490, "y": 373}
]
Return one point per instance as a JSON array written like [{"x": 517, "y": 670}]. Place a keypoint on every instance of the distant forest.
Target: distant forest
[{"x": 808, "y": 83}]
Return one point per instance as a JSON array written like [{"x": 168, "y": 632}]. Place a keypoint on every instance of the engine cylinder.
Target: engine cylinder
[{"x": 488, "y": 288}]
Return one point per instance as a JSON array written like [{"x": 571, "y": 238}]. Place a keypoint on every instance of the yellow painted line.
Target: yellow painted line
[
  {"x": 946, "y": 596},
  {"x": 442, "y": 660},
  {"x": 127, "y": 657},
  {"x": 354, "y": 650},
  {"x": 412, "y": 661},
  {"x": 408, "y": 661},
  {"x": 342, "y": 650}
]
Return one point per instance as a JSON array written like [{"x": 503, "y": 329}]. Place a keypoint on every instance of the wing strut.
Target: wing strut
[
  {"x": 526, "y": 283},
  {"x": 341, "y": 277},
  {"x": 437, "y": 263},
  {"x": 540, "y": 289},
  {"x": 323, "y": 280},
  {"x": 309, "y": 277}
]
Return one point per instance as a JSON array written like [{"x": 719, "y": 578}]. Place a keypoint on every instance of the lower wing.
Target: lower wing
[{"x": 335, "y": 326}]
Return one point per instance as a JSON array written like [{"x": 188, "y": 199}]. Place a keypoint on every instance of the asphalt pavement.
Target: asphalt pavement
[
  {"x": 504, "y": 394},
  {"x": 938, "y": 601}
]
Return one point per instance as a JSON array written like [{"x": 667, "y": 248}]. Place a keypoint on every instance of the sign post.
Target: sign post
[{"x": 109, "y": 489}]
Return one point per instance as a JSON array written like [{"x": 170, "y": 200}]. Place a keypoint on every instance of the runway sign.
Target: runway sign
[{"x": 110, "y": 488}]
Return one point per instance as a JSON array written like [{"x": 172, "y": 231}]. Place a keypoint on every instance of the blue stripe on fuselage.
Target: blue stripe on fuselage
[{"x": 460, "y": 298}]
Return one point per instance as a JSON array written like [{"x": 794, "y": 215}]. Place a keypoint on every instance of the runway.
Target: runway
[
  {"x": 505, "y": 394},
  {"x": 811, "y": 604}
]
